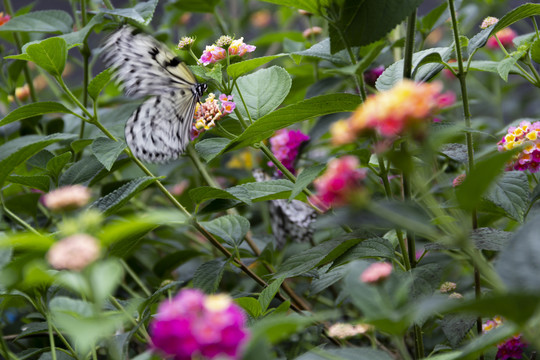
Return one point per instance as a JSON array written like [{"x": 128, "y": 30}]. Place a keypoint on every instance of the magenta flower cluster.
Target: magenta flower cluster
[
  {"x": 511, "y": 349},
  {"x": 285, "y": 145},
  {"x": 193, "y": 325}
]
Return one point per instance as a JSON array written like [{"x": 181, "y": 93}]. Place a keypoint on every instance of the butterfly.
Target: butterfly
[
  {"x": 290, "y": 219},
  {"x": 159, "y": 130}
]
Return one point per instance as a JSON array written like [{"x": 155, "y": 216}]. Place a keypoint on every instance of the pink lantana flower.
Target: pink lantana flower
[
  {"x": 285, "y": 145},
  {"x": 407, "y": 106},
  {"x": 506, "y": 36},
  {"x": 376, "y": 273},
  {"x": 207, "y": 113},
  {"x": 216, "y": 52},
  {"x": 341, "y": 179},
  {"x": 194, "y": 325}
]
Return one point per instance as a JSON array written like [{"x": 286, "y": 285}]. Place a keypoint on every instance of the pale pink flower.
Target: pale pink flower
[
  {"x": 376, "y": 272},
  {"x": 69, "y": 197},
  {"x": 487, "y": 22},
  {"x": 446, "y": 287},
  {"x": 74, "y": 252},
  {"x": 315, "y": 30}
]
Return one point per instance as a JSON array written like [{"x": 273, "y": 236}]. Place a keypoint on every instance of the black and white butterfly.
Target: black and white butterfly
[
  {"x": 290, "y": 219},
  {"x": 159, "y": 130}
]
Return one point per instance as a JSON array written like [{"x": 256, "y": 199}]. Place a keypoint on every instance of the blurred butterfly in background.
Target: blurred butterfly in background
[
  {"x": 290, "y": 219},
  {"x": 159, "y": 130}
]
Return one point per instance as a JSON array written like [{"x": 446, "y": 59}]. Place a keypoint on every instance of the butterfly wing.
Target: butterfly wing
[
  {"x": 159, "y": 130},
  {"x": 290, "y": 220},
  {"x": 144, "y": 65}
]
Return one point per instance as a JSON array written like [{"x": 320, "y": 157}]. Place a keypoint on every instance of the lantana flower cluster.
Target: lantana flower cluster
[
  {"x": 193, "y": 325},
  {"x": 339, "y": 182},
  {"x": 74, "y": 252},
  {"x": 390, "y": 113},
  {"x": 218, "y": 51},
  {"x": 4, "y": 18},
  {"x": 511, "y": 348},
  {"x": 285, "y": 145},
  {"x": 207, "y": 113},
  {"x": 67, "y": 198},
  {"x": 526, "y": 134}
]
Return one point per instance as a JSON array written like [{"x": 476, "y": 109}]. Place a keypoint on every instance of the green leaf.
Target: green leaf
[
  {"x": 518, "y": 263},
  {"x": 208, "y": 149},
  {"x": 208, "y": 275},
  {"x": 269, "y": 292},
  {"x": 142, "y": 12},
  {"x": 250, "y": 305},
  {"x": 207, "y": 6},
  {"x": 429, "y": 20},
  {"x": 203, "y": 193},
  {"x": 231, "y": 228},
  {"x": 50, "y": 54},
  {"x": 262, "y": 91},
  {"x": 535, "y": 51},
  {"x": 327, "y": 279},
  {"x": 325, "y": 252},
  {"x": 40, "y": 182},
  {"x": 213, "y": 75},
  {"x": 34, "y": 109},
  {"x": 81, "y": 172},
  {"x": 99, "y": 82},
  {"x": 171, "y": 261},
  {"x": 505, "y": 66},
  {"x": 104, "y": 278},
  {"x": 289, "y": 115},
  {"x": 456, "y": 326},
  {"x": 241, "y": 68},
  {"x": 511, "y": 193},
  {"x": 112, "y": 202},
  {"x": 17, "y": 156},
  {"x": 107, "y": 151},
  {"x": 57, "y": 163},
  {"x": 348, "y": 353},
  {"x": 321, "y": 50},
  {"x": 490, "y": 239},
  {"x": 370, "y": 248},
  {"x": 480, "y": 178},
  {"x": 305, "y": 178},
  {"x": 363, "y": 22},
  {"x": 33, "y": 329},
  {"x": 80, "y": 144},
  {"x": 263, "y": 190},
  {"x": 313, "y": 6},
  {"x": 40, "y": 21},
  {"x": 423, "y": 68}
]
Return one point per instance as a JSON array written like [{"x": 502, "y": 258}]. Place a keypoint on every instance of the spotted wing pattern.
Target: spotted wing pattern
[
  {"x": 159, "y": 130},
  {"x": 290, "y": 220}
]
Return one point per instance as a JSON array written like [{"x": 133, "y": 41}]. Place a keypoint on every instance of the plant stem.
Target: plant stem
[
  {"x": 17, "y": 38},
  {"x": 468, "y": 138},
  {"x": 73, "y": 98},
  {"x": 141, "y": 328},
  {"x": 17, "y": 219},
  {"x": 51, "y": 338},
  {"x": 135, "y": 278},
  {"x": 240, "y": 117}
]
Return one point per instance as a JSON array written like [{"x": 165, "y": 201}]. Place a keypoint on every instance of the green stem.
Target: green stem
[
  {"x": 135, "y": 278},
  {"x": 468, "y": 136},
  {"x": 73, "y": 98},
  {"x": 200, "y": 167},
  {"x": 17, "y": 219},
  {"x": 4, "y": 349},
  {"x": 17, "y": 38},
  {"x": 141, "y": 328},
  {"x": 240, "y": 117},
  {"x": 51, "y": 338},
  {"x": 358, "y": 79}
]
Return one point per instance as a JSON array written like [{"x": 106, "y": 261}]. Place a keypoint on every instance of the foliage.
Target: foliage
[{"x": 83, "y": 278}]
